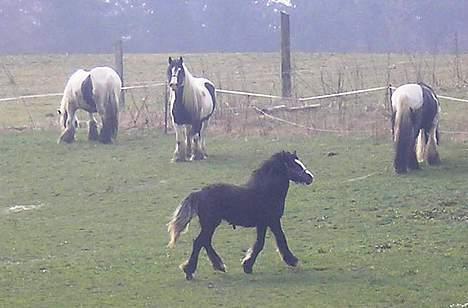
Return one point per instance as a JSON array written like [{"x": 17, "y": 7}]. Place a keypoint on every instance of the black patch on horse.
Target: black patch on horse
[
  {"x": 428, "y": 110},
  {"x": 179, "y": 112},
  {"x": 87, "y": 91}
]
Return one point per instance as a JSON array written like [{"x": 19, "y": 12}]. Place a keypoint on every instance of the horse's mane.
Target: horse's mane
[
  {"x": 268, "y": 171},
  {"x": 189, "y": 92}
]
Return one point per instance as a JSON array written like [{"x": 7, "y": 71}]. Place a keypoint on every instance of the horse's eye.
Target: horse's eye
[{"x": 59, "y": 112}]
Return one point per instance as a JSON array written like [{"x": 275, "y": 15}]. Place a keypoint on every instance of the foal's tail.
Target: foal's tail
[{"x": 181, "y": 218}]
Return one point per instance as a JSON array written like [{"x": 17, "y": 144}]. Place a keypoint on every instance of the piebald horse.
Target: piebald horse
[
  {"x": 193, "y": 101},
  {"x": 95, "y": 91},
  {"x": 415, "y": 126}
]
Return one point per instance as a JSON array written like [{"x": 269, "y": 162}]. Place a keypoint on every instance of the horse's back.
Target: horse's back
[
  {"x": 106, "y": 76},
  {"x": 232, "y": 203},
  {"x": 206, "y": 96},
  {"x": 409, "y": 94}
]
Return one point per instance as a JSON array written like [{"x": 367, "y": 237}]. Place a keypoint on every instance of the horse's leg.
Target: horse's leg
[
  {"x": 282, "y": 244},
  {"x": 93, "y": 134},
  {"x": 188, "y": 140},
  {"x": 249, "y": 259},
  {"x": 432, "y": 155},
  {"x": 68, "y": 135},
  {"x": 412, "y": 157},
  {"x": 190, "y": 266},
  {"x": 203, "y": 138},
  {"x": 180, "y": 150},
  {"x": 421, "y": 145},
  {"x": 197, "y": 153}
]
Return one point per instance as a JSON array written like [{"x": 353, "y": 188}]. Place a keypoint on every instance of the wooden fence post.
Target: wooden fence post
[
  {"x": 286, "y": 89},
  {"x": 119, "y": 68}
]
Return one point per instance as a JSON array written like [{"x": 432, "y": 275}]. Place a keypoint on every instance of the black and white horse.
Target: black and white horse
[
  {"x": 416, "y": 111},
  {"x": 193, "y": 101},
  {"x": 257, "y": 204},
  {"x": 95, "y": 91}
]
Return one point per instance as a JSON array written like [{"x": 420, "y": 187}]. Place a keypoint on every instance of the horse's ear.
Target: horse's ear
[
  {"x": 295, "y": 154},
  {"x": 170, "y": 60},
  {"x": 181, "y": 60}
]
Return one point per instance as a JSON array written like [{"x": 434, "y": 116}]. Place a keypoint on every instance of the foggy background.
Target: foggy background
[{"x": 151, "y": 26}]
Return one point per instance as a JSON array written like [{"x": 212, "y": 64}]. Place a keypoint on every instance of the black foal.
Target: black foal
[{"x": 259, "y": 203}]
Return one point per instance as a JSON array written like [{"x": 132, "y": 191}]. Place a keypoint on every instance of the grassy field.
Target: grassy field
[{"x": 84, "y": 225}]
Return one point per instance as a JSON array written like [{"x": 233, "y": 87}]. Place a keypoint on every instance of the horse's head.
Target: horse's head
[
  {"x": 63, "y": 117},
  {"x": 175, "y": 73},
  {"x": 296, "y": 170}
]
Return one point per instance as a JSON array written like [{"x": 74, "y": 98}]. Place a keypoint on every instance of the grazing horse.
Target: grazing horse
[
  {"x": 416, "y": 111},
  {"x": 95, "y": 91},
  {"x": 259, "y": 203},
  {"x": 193, "y": 101}
]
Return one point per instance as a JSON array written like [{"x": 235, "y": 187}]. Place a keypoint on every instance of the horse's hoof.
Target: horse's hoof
[
  {"x": 197, "y": 157},
  {"x": 178, "y": 160}
]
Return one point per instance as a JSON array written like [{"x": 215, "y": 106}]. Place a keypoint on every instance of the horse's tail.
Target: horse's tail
[
  {"x": 403, "y": 133},
  {"x": 110, "y": 125},
  {"x": 181, "y": 217}
]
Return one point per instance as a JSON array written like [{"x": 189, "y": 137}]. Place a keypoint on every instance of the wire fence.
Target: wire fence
[{"x": 361, "y": 111}]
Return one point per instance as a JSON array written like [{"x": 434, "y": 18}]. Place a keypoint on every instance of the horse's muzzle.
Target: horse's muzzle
[
  {"x": 173, "y": 86},
  {"x": 309, "y": 180}
]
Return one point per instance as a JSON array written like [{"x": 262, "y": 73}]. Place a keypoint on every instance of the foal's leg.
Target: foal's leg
[
  {"x": 282, "y": 244},
  {"x": 180, "y": 150},
  {"x": 249, "y": 259},
  {"x": 190, "y": 266},
  {"x": 215, "y": 259}
]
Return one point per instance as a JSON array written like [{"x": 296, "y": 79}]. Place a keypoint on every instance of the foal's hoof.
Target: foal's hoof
[
  {"x": 247, "y": 266},
  {"x": 291, "y": 260},
  {"x": 178, "y": 160},
  {"x": 184, "y": 268},
  {"x": 219, "y": 267}
]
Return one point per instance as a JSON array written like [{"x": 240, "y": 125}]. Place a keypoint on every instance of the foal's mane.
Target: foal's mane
[{"x": 269, "y": 170}]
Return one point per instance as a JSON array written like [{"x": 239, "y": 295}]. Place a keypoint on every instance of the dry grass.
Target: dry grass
[{"x": 314, "y": 74}]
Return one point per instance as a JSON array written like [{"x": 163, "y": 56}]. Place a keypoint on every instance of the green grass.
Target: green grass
[{"x": 365, "y": 237}]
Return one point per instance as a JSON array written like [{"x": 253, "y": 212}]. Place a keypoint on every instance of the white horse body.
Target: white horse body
[
  {"x": 95, "y": 91},
  {"x": 192, "y": 103},
  {"x": 415, "y": 120},
  {"x": 199, "y": 96}
]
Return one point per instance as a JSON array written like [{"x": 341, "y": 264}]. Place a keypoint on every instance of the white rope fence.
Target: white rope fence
[
  {"x": 21, "y": 97},
  {"x": 259, "y": 95}
]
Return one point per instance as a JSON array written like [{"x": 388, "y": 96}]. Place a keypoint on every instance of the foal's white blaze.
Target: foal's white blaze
[{"x": 304, "y": 167}]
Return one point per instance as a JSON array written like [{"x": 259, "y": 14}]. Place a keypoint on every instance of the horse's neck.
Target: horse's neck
[{"x": 273, "y": 185}]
